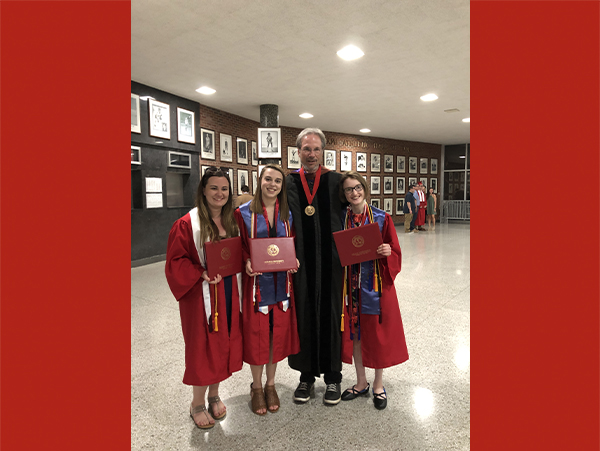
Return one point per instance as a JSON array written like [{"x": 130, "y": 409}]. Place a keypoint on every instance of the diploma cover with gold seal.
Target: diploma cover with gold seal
[
  {"x": 272, "y": 254},
  {"x": 223, "y": 257},
  {"x": 310, "y": 210},
  {"x": 358, "y": 244}
]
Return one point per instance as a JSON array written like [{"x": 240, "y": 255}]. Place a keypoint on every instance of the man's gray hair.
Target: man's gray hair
[{"x": 311, "y": 131}]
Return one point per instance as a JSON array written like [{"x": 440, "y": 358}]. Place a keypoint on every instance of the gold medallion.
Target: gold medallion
[{"x": 310, "y": 210}]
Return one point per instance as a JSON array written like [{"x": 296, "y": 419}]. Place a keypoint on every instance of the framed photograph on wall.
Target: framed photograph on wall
[
  {"x": 400, "y": 164},
  {"x": 179, "y": 160},
  {"x": 376, "y": 203},
  {"x": 451, "y": 188},
  {"x": 345, "y": 161},
  {"x": 159, "y": 116},
  {"x": 412, "y": 180},
  {"x": 293, "y": 158},
  {"x": 242, "y": 150},
  {"x": 375, "y": 162},
  {"x": 260, "y": 168},
  {"x": 412, "y": 165},
  {"x": 226, "y": 147},
  {"x": 361, "y": 162},
  {"x": 136, "y": 155},
  {"x": 451, "y": 176},
  {"x": 375, "y": 182},
  {"x": 242, "y": 179},
  {"x": 423, "y": 166},
  {"x": 136, "y": 126},
  {"x": 330, "y": 159},
  {"x": 269, "y": 140},
  {"x": 388, "y": 185},
  {"x": 388, "y": 163},
  {"x": 388, "y": 203},
  {"x": 254, "y": 182},
  {"x": 433, "y": 184},
  {"x": 207, "y": 151},
  {"x": 400, "y": 185},
  {"x": 434, "y": 164},
  {"x": 423, "y": 180},
  {"x": 254, "y": 154},
  {"x": 186, "y": 132},
  {"x": 399, "y": 205}
]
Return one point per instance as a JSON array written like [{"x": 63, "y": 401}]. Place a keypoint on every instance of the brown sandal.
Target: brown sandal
[
  {"x": 271, "y": 398},
  {"x": 199, "y": 409},
  {"x": 215, "y": 400},
  {"x": 258, "y": 400}
]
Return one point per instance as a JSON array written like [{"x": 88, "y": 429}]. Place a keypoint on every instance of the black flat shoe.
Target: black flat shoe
[
  {"x": 380, "y": 400},
  {"x": 352, "y": 393}
]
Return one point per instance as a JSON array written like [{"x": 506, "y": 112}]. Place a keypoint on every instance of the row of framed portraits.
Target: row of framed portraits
[
  {"x": 399, "y": 187},
  {"x": 425, "y": 165},
  {"x": 159, "y": 116},
  {"x": 388, "y": 205}
]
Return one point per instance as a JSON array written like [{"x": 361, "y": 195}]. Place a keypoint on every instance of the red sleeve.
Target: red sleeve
[
  {"x": 390, "y": 266},
  {"x": 183, "y": 268},
  {"x": 244, "y": 235}
]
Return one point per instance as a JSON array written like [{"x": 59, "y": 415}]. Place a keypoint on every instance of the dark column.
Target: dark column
[{"x": 269, "y": 118}]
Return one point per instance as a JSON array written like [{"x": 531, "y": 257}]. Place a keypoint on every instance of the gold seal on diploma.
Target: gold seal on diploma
[{"x": 310, "y": 210}]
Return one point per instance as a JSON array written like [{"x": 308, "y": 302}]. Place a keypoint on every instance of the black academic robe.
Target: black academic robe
[{"x": 318, "y": 283}]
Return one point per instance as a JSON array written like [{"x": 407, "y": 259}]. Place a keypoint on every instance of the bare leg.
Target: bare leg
[
  {"x": 361, "y": 377},
  {"x": 213, "y": 390},
  {"x": 433, "y": 219},
  {"x": 199, "y": 395},
  {"x": 271, "y": 369}
]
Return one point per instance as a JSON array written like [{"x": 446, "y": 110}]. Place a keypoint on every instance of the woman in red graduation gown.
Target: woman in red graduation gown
[
  {"x": 269, "y": 319},
  {"x": 372, "y": 326},
  {"x": 209, "y": 309}
]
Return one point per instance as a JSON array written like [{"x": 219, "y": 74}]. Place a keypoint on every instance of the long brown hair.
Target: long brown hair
[
  {"x": 256, "y": 204},
  {"x": 208, "y": 228}
]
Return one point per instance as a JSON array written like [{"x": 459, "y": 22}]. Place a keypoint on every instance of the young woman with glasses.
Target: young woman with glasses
[
  {"x": 372, "y": 326},
  {"x": 209, "y": 309}
]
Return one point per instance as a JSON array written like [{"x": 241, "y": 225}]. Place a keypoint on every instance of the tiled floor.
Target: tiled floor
[{"x": 428, "y": 405}]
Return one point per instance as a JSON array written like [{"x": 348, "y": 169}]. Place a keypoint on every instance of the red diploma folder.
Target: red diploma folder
[
  {"x": 223, "y": 257},
  {"x": 272, "y": 254},
  {"x": 358, "y": 244}
]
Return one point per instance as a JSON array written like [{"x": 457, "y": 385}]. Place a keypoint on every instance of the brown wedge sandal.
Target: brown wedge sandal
[
  {"x": 271, "y": 398},
  {"x": 258, "y": 400},
  {"x": 215, "y": 400},
  {"x": 199, "y": 409}
]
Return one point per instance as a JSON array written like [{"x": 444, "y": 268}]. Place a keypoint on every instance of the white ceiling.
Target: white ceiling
[{"x": 283, "y": 52}]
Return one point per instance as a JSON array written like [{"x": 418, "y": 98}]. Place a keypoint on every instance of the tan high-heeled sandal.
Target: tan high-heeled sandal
[
  {"x": 258, "y": 400},
  {"x": 271, "y": 398}
]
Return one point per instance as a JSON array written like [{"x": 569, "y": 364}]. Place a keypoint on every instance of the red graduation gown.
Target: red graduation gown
[
  {"x": 382, "y": 345},
  {"x": 256, "y": 324},
  {"x": 210, "y": 357}
]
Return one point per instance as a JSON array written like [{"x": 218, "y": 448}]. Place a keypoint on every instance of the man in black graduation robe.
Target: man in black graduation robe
[{"x": 318, "y": 282}]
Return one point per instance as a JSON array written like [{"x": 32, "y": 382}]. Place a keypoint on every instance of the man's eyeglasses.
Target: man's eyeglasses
[{"x": 358, "y": 189}]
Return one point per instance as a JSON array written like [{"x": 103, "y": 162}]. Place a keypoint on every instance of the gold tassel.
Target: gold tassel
[{"x": 216, "y": 313}]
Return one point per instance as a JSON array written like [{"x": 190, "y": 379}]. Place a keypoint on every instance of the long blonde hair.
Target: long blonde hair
[
  {"x": 256, "y": 204},
  {"x": 208, "y": 229}
]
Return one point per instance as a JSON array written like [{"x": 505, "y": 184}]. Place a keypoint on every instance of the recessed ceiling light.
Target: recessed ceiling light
[
  {"x": 429, "y": 97},
  {"x": 365, "y": 130},
  {"x": 147, "y": 98},
  {"x": 461, "y": 156},
  {"x": 350, "y": 52},
  {"x": 467, "y": 119},
  {"x": 306, "y": 115},
  {"x": 206, "y": 90}
]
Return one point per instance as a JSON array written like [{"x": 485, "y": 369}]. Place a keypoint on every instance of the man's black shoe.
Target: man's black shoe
[
  {"x": 333, "y": 394},
  {"x": 302, "y": 393}
]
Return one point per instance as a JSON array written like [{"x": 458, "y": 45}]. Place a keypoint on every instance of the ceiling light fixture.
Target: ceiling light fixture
[
  {"x": 306, "y": 115},
  {"x": 429, "y": 97},
  {"x": 350, "y": 52},
  {"x": 467, "y": 119},
  {"x": 206, "y": 90},
  {"x": 365, "y": 130}
]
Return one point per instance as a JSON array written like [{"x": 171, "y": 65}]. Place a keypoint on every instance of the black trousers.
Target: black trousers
[{"x": 335, "y": 377}]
